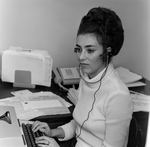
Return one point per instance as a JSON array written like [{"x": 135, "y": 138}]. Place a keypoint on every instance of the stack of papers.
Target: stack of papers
[
  {"x": 129, "y": 78},
  {"x": 73, "y": 95},
  {"x": 29, "y": 105},
  {"x": 141, "y": 102}
]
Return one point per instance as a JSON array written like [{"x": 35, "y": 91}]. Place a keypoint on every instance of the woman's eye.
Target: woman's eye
[
  {"x": 77, "y": 50},
  {"x": 90, "y": 51}
]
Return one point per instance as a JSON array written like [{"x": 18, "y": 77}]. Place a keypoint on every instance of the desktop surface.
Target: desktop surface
[
  {"x": 142, "y": 89},
  {"x": 6, "y": 89}
]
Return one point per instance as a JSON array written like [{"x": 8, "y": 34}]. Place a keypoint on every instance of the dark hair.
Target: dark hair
[{"x": 106, "y": 26}]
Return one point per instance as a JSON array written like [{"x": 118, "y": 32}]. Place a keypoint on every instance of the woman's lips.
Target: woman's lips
[{"x": 83, "y": 65}]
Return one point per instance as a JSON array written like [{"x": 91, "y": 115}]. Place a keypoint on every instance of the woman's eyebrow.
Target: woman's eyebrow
[
  {"x": 78, "y": 45},
  {"x": 86, "y": 46},
  {"x": 89, "y": 46}
]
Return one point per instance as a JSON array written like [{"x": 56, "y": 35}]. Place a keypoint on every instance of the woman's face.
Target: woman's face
[{"x": 89, "y": 53}]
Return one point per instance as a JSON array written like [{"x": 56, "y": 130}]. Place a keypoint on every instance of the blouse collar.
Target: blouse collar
[{"x": 98, "y": 77}]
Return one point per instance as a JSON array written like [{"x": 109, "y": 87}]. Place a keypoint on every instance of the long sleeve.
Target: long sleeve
[
  {"x": 118, "y": 115},
  {"x": 69, "y": 129}
]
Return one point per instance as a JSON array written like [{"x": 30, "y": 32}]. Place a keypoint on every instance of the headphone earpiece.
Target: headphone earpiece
[
  {"x": 107, "y": 54},
  {"x": 109, "y": 51}
]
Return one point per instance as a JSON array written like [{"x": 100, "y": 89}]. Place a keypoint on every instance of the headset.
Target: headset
[{"x": 104, "y": 56}]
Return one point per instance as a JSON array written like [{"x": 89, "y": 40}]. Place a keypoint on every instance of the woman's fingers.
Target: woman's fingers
[
  {"x": 46, "y": 141},
  {"x": 41, "y": 140},
  {"x": 38, "y": 126}
]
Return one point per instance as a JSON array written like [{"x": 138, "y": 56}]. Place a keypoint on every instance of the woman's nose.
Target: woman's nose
[{"x": 82, "y": 55}]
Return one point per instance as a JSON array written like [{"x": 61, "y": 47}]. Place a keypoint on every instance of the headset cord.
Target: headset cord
[{"x": 104, "y": 73}]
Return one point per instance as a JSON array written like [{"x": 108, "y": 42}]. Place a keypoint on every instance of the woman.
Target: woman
[{"x": 104, "y": 109}]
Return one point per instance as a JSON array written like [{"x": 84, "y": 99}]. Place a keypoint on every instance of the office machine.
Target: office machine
[
  {"x": 26, "y": 67},
  {"x": 13, "y": 132}
]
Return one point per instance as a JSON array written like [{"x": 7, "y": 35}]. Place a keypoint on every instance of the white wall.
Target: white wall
[{"x": 52, "y": 25}]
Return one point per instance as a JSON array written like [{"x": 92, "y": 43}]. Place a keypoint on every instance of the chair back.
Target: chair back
[{"x": 135, "y": 134}]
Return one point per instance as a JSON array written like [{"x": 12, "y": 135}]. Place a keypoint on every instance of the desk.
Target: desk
[
  {"x": 53, "y": 120},
  {"x": 56, "y": 120}
]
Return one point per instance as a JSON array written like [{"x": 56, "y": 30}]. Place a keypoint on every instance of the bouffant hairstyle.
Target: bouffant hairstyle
[{"x": 106, "y": 26}]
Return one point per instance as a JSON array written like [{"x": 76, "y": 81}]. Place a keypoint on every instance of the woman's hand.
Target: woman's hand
[
  {"x": 45, "y": 141},
  {"x": 41, "y": 126}
]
